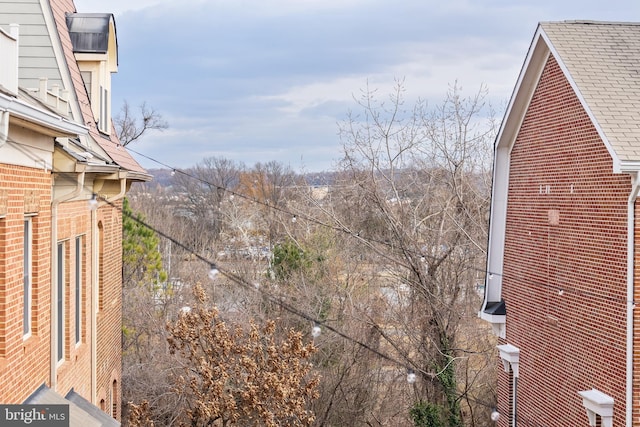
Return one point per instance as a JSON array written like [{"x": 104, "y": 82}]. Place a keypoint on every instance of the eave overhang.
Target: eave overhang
[{"x": 39, "y": 120}]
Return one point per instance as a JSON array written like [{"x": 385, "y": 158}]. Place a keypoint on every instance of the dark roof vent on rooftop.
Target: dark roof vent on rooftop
[{"x": 89, "y": 31}]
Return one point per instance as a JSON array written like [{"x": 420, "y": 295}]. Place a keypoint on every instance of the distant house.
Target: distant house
[
  {"x": 60, "y": 261},
  {"x": 562, "y": 271}
]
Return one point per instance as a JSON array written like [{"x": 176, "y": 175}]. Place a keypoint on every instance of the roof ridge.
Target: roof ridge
[{"x": 591, "y": 22}]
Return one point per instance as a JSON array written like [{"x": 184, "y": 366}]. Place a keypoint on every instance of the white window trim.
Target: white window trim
[
  {"x": 598, "y": 403},
  {"x": 27, "y": 273},
  {"x": 510, "y": 356},
  {"x": 79, "y": 284},
  {"x": 60, "y": 318}
]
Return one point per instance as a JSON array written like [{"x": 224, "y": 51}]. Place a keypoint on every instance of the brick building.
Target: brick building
[
  {"x": 63, "y": 175},
  {"x": 562, "y": 265}
]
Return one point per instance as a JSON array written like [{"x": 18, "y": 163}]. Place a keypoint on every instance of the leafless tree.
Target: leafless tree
[
  {"x": 202, "y": 190},
  {"x": 131, "y": 126},
  {"x": 389, "y": 254},
  {"x": 415, "y": 197}
]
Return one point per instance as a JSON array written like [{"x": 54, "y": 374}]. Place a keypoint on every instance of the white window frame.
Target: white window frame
[
  {"x": 60, "y": 306},
  {"x": 27, "y": 277},
  {"x": 79, "y": 283},
  {"x": 104, "y": 117}
]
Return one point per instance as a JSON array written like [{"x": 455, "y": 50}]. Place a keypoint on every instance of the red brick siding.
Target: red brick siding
[
  {"x": 575, "y": 341},
  {"x": 25, "y": 364},
  {"x": 110, "y": 316},
  {"x": 74, "y": 220}
]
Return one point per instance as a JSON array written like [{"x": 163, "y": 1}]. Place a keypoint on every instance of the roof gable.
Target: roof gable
[
  {"x": 110, "y": 144},
  {"x": 601, "y": 60}
]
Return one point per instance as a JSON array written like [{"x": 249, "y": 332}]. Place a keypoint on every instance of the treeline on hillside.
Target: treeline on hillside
[{"x": 258, "y": 296}]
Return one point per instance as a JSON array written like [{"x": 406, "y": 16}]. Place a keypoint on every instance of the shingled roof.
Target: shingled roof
[
  {"x": 110, "y": 144},
  {"x": 602, "y": 61}
]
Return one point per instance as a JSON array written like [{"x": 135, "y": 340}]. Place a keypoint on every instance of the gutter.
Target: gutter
[
  {"x": 630, "y": 295},
  {"x": 54, "y": 274},
  {"x": 24, "y": 111}
]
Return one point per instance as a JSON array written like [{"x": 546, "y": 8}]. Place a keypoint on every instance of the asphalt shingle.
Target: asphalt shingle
[{"x": 603, "y": 60}]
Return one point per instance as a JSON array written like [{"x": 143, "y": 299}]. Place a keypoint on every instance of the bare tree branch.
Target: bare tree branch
[{"x": 131, "y": 126}]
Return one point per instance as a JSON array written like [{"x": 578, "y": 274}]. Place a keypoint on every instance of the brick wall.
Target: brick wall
[
  {"x": 24, "y": 363},
  {"x": 564, "y": 272},
  {"x": 110, "y": 315},
  {"x": 74, "y": 220}
]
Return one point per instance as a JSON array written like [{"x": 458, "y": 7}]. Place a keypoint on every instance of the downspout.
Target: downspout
[
  {"x": 515, "y": 401},
  {"x": 95, "y": 277},
  {"x": 4, "y": 127},
  {"x": 54, "y": 275},
  {"x": 630, "y": 295}
]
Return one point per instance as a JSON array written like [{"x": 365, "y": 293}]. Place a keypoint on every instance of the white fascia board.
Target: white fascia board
[
  {"x": 523, "y": 91},
  {"x": 516, "y": 110},
  {"x": 628, "y": 166},
  {"x": 59, "y": 125},
  {"x": 527, "y": 82}
]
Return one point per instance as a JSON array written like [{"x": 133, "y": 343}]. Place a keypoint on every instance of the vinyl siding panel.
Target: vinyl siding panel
[{"x": 37, "y": 58}]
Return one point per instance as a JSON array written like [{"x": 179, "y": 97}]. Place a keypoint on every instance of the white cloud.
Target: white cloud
[{"x": 257, "y": 80}]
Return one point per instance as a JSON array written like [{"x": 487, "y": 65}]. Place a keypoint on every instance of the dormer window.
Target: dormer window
[{"x": 93, "y": 36}]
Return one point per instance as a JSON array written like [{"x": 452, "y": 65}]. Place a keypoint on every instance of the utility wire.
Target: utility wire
[{"x": 369, "y": 240}]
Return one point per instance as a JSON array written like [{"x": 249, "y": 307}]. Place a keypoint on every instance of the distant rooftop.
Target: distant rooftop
[{"x": 89, "y": 31}]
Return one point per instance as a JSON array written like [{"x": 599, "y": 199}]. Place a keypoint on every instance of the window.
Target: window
[
  {"x": 114, "y": 399},
  {"x": 79, "y": 285},
  {"x": 60, "y": 300},
  {"x": 27, "y": 286},
  {"x": 86, "y": 78},
  {"x": 103, "y": 120},
  {"x": 100, "y": 267},
  {"x": 510, "y": 356}
]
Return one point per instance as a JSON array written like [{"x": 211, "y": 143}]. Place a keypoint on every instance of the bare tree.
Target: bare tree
[
  {"x": 415, "y": 195},
  {"x": 131, "y": 126},
  {"x": 272, "y": 185},
  {"x": 389, "y": 254},
  {"x": 203, "y": 189}
]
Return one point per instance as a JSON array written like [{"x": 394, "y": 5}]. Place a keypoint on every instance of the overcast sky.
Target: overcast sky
[{"x": 262, "y": 80}]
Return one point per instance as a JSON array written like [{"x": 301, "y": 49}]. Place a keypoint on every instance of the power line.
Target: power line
[
  {"x": 239, "y": 280},
  {"x": 359, "y": 236}
]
